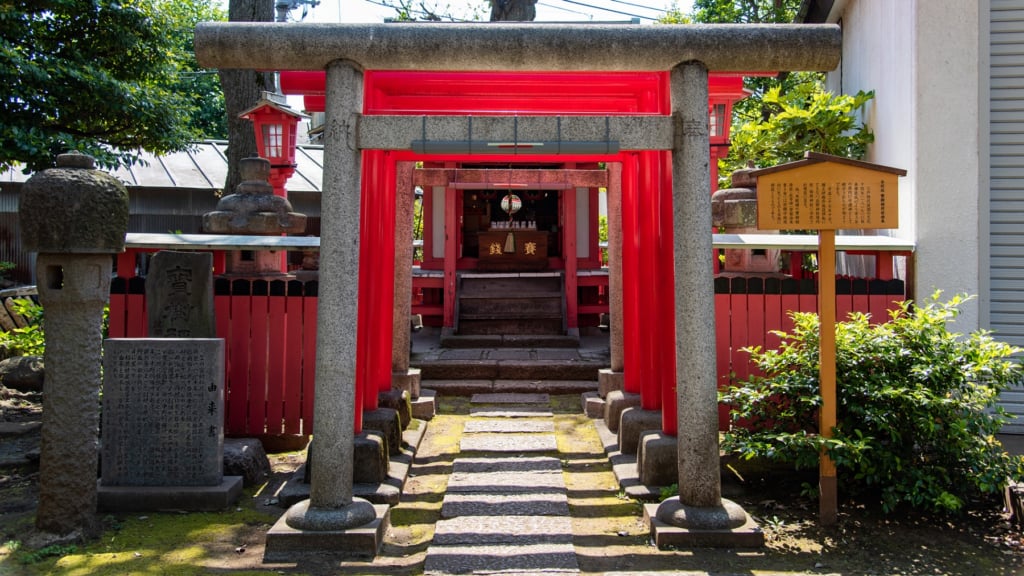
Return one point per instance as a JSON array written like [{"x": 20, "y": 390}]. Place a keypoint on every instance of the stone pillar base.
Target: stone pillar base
[
  {"x": 633, "y": 422},
  {"x": 593, "y": 405},
  {"x": 408, "y": 381},
  {"x": 399, "y": 401},
  {"x": 657, "y": 460},
  {"x": 370, "y": 458},
  {"x": 608, "y": 381},
  {"x": 156, "y": 498},
  {"x": 615, "y": 403},
  {"x": 385, "y": 421},
  {"x": 744, "y": 535},
  {"x": 424, "y": 407},
  {"x": 287, "y": 544}
]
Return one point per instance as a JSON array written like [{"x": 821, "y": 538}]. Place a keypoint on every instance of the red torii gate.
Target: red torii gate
[{"x": 646, "y": 192}]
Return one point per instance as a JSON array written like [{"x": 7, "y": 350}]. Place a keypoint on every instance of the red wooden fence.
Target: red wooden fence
[{"x": 269, "y": 329}]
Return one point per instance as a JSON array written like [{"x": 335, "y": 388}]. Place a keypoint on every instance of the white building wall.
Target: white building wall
[{"x": 921, "y": 59}]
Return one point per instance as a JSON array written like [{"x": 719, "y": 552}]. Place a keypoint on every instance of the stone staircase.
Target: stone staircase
[{"x": 510, "y": 310}]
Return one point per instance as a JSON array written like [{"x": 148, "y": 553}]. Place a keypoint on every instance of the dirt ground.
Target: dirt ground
[{"x": 609, "y": 533}]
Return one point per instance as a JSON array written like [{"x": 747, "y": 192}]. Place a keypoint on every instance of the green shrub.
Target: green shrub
[
  {"x": 27, "y": 341},
  {"x": 916, "y": 407}
]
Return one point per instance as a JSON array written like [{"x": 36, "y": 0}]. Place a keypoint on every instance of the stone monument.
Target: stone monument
[
  {"x": 75, "y": 217},
  {"x": 163, "y": 426},
  {"x": 179, "y": 295}
]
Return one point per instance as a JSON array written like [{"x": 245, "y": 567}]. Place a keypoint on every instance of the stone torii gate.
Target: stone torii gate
[{"x": 322, "y": 523}]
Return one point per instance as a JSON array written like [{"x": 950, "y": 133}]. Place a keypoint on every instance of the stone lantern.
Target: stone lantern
[
  {"x": 254, "y": 210},
  {"x": 75, "y": 217},
  {"x": 734, "y": 210}
]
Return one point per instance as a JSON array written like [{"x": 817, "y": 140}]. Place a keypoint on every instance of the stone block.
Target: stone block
[
  {"x": 424, "y": 407},
  {"x": 163, "y": 412},
  {"x": 408, "y": 380},
  {"x": 23, "y": 373},
  {"x": 385, "y": 421},
  {"x": 246, "y": 457},
  {"x": 287, "y": 544},
  {"x": 608, "y": 381},
  {"x": 615, "y": 403},
  {"x": 370, "y": 458},
  {"x": 400, "y": 401},
  {"x": 632, "y": 423},
  {"x": 657, "y": 459},
  {"x": 749, "y": 535},
  {"x": 593, "y": 405},
  {"x": 169, "y": 498}
]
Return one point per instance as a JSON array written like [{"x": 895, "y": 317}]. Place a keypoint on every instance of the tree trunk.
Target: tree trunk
[
  {"x": 513, "y": 10},
  {"x": 242, "y": 89}
]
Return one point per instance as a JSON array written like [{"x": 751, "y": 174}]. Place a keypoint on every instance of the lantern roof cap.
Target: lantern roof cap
[{"x": 277, "y": 102}]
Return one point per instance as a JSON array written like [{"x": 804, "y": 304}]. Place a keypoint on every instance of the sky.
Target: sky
[{"x": 547, "y": 10}]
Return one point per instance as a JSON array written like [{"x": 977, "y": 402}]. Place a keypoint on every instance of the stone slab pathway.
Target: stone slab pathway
[{"x": 505, "y": 510}]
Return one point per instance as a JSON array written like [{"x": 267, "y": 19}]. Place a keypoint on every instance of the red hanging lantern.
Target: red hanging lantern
[{"x": 275, "y": 124}]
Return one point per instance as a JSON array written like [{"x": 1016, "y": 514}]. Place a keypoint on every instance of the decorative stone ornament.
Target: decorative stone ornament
[
  {"x": 253, "y": 208},
  {"x": 73, "y": 209}
]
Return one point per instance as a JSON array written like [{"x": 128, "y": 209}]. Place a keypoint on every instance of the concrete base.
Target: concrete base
[
  {"x": 400, "y": 401},
  {"x": 169, "y": 498},
  {"x": 609, "y": 381},
  {"x": 408, "y": 381},
  {"x": 593, "y": 405},
  {"x": 615, "y": 403},
  {"x": 424, "y": 407},
  {"x": 633, "y": 422},
  {"x": 657, "y": 459},
  {"x": 286, "y": 544},
  {"x": 385, "y": 421},
  {"x": 749, "y": 535}
]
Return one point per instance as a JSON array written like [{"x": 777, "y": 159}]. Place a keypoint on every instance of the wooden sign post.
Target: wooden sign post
[{"x": 827, "y": 193}]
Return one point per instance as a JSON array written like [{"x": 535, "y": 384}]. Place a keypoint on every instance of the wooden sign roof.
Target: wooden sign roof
[{"x": 825, "y": 192}]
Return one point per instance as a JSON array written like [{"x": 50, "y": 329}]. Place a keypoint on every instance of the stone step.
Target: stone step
[
  {"x": 506, "y": 426},
  {"x": 504, "y": 559},
  {"x": 505, "y": 504},
  {"x": 511, "y": 398},
  {"x": 510, "y": 411},
  {"x": 510, "y": 443},
  {"x": 468, "y": 387},
  {"x": 548, "y": 325},
  {"x": 521, "y": 530},
  {"x": 516, "y": 370},
  {"x": 509, "y": 341},
  {"x": 530, "y": 474}
]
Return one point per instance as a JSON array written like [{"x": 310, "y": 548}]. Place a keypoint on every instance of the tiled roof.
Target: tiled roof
[{"x": 204, "y": 167}]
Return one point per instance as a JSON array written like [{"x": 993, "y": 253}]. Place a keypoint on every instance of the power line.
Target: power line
[
  {"x": 417, "y": 12},
  {"x": 585, "y": 5},
  {"x": 564, "y": 9},
  {"x": 660, "y": 10}
]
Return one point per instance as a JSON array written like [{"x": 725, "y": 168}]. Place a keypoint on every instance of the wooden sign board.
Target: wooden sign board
[{"x": 825, "y": 192}]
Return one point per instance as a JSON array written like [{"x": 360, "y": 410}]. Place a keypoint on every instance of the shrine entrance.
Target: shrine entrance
[{"x": 556, "y": 229}]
